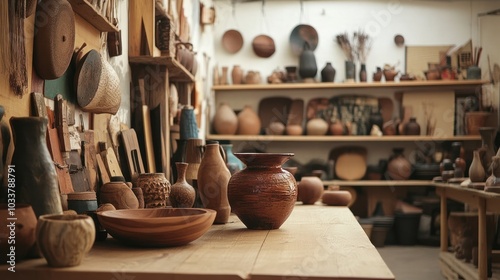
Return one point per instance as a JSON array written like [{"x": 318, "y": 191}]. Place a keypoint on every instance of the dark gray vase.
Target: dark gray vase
[
  {"x": 307, "y": 63},
  {"x": 350, "y": 71},
  {"x": 35, "y": 174},
  {"x": 328, "y": 73}
]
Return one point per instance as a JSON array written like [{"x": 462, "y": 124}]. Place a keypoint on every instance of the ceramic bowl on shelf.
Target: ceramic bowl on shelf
[{"x": 157, "y": 227}]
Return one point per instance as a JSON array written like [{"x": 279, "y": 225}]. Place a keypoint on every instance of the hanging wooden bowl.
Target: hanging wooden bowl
[
  {"x": 54, "y": 38},
  {"x": 232, "y": 41},
  {"x": 263, "y": 46}
]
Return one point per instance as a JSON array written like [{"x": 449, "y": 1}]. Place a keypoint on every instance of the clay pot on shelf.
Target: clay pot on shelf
[
  {"x": 156, "y": 189},
  {"x": 475, "y": 120},
  {"x": 336, "y": 198},
  {"x": 328, "y": 73},
  {"x": 377, "y": 76},
  {"x": 224, "y": 76},
  {"x": 316, "y": 126},
  {"x": 291, "y": 74},
  {"x": 412, "y": 127},
  {"x": 476, "y": 169},
  {"x": 294, "y": 129},
  {"x": 64, "y": 240},
  {"x": 118, "y": 193},
  {"x": 337, "y": 128},
  {"x": 310, "y": 189},
  {"x": 399, "y": 168},
  {"x": 307, "y": 63},
  {"x": 25, "y": 227},
  {"x": 362, "y": 73},
  {"x": 263, "y": 194},
  {"x": 225, "y": 120},
  {"x": 390, "y": 75},
  {"x": 253, "y": 78},
  {"x": 275, "y": 128},
  {"x": 248, "y": 122},
  {"x": 182, "y": 194},
  {"x": 237, "y": 75}
]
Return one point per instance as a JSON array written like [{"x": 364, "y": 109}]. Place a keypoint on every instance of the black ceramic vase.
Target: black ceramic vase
[
  {"x": 307, "y": 63},
  {"x": 362, "y": 73},
  {"x": 328, "y": 73},
  {"x": 33, "y": 170}
]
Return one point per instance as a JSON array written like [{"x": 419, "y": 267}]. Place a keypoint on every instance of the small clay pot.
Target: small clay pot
[
  {"x": 310, "y": 189},
  {"x": 118, "y": 193},
  {"x": 412, "y": 127},
  {"x": 336, "y": 198},
  {"x": 317, "y": 126}
]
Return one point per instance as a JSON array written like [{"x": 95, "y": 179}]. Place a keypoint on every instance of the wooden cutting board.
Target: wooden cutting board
[
  {"x": 89, "y": 157},
  {"x": 103, "y": 172},
  {"x": 111, "y": 162},
  {"x": 132, "y": 153},
  {"x": 63, "y": 177}
]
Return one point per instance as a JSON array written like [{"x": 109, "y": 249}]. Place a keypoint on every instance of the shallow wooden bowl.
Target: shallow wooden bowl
[{"x": 157, "y": 227}]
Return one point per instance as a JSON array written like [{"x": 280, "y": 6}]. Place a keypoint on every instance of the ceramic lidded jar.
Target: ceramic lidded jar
[
  {"x": 118, "y": 193},
  {"x": 182, "y": 194},
  {"x": 225, "y": 120},
  {"x": 64, "y": 240},
  {"x": 213, "y": 177},
  {"x": 248, "y": 122},
  {"x": 25, "y": 226},
  {"x": 263, "y": 194},
  {"x": 310, "y": 189}
]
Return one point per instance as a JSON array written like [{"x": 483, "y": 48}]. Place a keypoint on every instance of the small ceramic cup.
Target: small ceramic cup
[{"x": 64, "y": 240}]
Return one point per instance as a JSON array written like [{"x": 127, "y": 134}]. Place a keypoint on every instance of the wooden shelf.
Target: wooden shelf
[
  {"x": 440, "y": 84},
  {"x": 379, "y": 183},
  {"x": 451, "y": 266},
  {"x": 90, "y": 14},
  {"x": 177, "y": 72},
  {"x": 347, "y": 138}
]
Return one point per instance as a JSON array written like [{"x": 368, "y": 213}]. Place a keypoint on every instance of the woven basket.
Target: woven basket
[{"x": 106, "y": 97}]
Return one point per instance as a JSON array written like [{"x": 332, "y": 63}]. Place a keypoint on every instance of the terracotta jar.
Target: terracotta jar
[
  {"x": 225, "y": 120},
  {"x": 263, "y": 194},
  {"x": 24, "y": 228},
  {"x": 337, "y": 128},
  {"x": 64, "y": 240},
  {"x": 224, "y": 76},
  {"x": 248, "y": 122},
  {"x": 118, "y": 193},
  {"x": 377, "y": 76},
  {"x": 213, "y": 177},
  {"x": 156, "y": 189},
  {"x": 310, "y": 189},
  {"x": 34, "y": 170},
  {"x": 399, "y": 168},
  {"x": 182, "y": 194},
  {"x": 412, "y": 127},
  {"x": 237, "y": 75},
  {"x": 476, "y": 169}
]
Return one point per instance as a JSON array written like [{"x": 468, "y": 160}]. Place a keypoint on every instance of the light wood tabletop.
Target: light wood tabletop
[{"x": 316, "y": 242}]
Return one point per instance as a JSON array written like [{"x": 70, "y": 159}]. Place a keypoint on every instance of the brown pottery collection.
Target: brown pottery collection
[{"x": 263, "y": 194}]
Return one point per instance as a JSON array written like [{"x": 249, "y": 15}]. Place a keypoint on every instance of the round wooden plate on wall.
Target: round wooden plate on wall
[{"x": 54, "y": 38}]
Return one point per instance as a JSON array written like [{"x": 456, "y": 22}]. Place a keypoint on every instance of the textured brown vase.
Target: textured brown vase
[
  {"x": 237, "y": 75},
  {"x": 64, "y": 240},
  {"x": 476, "y": 169},
  {"x": 118, "y": 193},
  {"x": 213, "y": 177},
  {"x": 399, "y": 168},
  {"x": 310, "y": 189},
  {"x": 25, "y": 226},
  {"x": 182, "y": 194},
  {"x": 248, "y": 122},
  {"x": 156, "y": 189},
  {"x": 225, "y": 120},
  {"x": 263, "y": 194},
  {"x": 36, "y": 179}
]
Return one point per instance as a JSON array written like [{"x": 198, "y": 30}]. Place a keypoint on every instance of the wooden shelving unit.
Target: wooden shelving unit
[
  {"x": 94, "y": 17},
  {"x": 346, "y": 138},
  {"x": 176, "y": 71}
]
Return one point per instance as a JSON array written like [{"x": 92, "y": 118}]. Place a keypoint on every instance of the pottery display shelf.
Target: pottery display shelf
[
  {"x": 484, "y": 202},
  {"x": 315, "y": 242}
]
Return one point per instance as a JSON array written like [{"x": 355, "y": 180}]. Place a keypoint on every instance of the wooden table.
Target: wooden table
[
  {"x": 316, "y": 242},
  {"x": 485, "y": 202}
]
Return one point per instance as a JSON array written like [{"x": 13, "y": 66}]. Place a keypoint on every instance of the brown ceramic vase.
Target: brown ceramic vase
[
  {"x": 155, "y": 188},
  {"x": 263, "y": 194},
  {"x": 182, "y": 194},
  {"x": 213, "y": 177},
  {"x": 225, "y": 120},
  {"x": 476, "y": 169},
  {"x": 310, "y": 189},
  {"x": 248, "y": 122}
]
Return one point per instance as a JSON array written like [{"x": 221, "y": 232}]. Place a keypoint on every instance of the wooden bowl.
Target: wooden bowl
[
  {"x": 157, "y": 227},
  {"x": 263, "y": 46},
  {"x": 232, "y": 41}
]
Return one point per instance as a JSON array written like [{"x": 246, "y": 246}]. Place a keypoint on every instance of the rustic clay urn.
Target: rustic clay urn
[
  {"x": 156, "y": 189},
  {"x": 24, "y": 228},
  {"x": 248, "y": 122},
  {"x": 263, "y": 194},
  {"x": 237, "y": 75},
  {"x": 213, "y": 177},
  {"x": 64, "y": 240},
  {"x": 310, "y": 189},
  {"x": 118, "y": 193},
  {"x": 225, "y": 120},
  {"x": 182, "y": 194},
  {"x": 328, "y": 73}
]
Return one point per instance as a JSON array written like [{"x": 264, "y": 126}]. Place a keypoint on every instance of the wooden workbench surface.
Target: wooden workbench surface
[{"x": 316, "y": 242}]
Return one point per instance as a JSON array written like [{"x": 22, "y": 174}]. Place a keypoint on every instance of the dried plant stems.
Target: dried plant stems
[
  {"x": 18, "y": 77},
  {"x": 346, "y": 46},
  {"x": 363, "y": 45}
]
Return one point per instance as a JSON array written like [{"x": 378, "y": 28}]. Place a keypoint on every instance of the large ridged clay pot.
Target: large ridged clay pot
[
  {"x": 182, "y": 194},
  {"x": 64, "y": 240},
  {"x": 213, "y": 177},
  {"x": 225, "y": 120},
  {"x": 310, "y": 189},
  {"x": 248, "y": 122},
  {"x": 155, "y": 188},
  {"x": 263, "y": 194}
]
